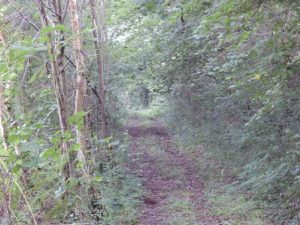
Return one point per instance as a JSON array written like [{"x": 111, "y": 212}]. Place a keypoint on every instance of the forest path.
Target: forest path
[{"x": 174, "y": 190}]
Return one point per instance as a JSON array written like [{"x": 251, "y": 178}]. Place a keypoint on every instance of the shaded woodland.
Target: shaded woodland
[{"x": 150, "y": 112}]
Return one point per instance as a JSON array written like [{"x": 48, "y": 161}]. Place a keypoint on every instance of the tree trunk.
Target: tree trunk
[
  {"x": 59, "y": 77},
  {"x": 98, "y": 43},
  {"x": 3, "y": 124},
  {"x": 145, "y": 96},
  {"x": 81, "y": 82}
]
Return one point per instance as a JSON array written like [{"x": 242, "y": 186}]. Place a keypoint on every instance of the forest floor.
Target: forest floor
[{"x": 174, "y": 191}]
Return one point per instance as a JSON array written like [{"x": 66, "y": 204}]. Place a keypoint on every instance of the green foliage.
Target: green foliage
[
  {"x": 229, "y": 70},
  {"x": 183, "y": 209},
  {"x": 121, "y": 191},
  {"x": 236, "y": 209},
  {"x": 77, "y": 119}
]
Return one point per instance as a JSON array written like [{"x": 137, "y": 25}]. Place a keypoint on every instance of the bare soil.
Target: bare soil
[{"x": 174, "y": 190}]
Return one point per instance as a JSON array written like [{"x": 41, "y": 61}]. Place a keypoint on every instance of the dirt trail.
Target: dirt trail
[{"x": 174, "y": 191}]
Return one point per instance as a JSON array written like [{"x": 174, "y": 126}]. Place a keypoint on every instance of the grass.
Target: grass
[
  {"x": 226, "y": 201},
  {"x": 233, "y": 206},
  {"x": 180, "y": 210},
  {"x": 156, "y": 109}
]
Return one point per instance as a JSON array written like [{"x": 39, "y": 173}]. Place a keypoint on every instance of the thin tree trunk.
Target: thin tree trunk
[
  {"x": 81, "y": 82},
  {"x": 98, "y": 43},
  {"x": 59, "y": 77},
  {"x": 4, "y": 137},
  {"x": 3, "y": 124}
]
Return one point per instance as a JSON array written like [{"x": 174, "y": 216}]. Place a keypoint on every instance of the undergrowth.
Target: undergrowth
[
  {"x": 221, "y": 177},
  {"x": 153, "y": 111},
  {"x": 121, "y": 190},
  {"x": 183, "y": 208}
]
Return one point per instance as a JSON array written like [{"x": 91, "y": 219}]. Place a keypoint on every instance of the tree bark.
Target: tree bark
[
  {"x": 58, "y": 73},
  {"x": 145, "y": 96},
  {"x": 98, "y": 43},
  {"x": 81, "y": 81},
  {"x": 3, "y": 124}
]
